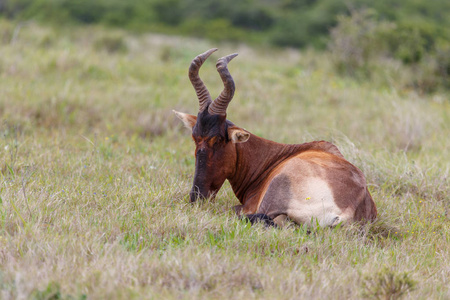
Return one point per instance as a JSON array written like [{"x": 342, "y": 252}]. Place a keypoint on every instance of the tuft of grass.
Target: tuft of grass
[{"x": 387, "y": 284}]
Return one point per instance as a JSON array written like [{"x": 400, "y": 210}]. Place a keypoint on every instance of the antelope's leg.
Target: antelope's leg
[
  {"x": 281, "y": 220},
  {"x": 254, "y": 218},
  {"x": 263, "y": 218},
  {"x": 238, "y": 209}
]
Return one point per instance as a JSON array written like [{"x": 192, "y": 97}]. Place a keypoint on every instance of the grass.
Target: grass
[{"x": 95, "y": 173}]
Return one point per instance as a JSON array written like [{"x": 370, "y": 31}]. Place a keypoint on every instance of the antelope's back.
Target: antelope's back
[{"x": 319, "y": 185}]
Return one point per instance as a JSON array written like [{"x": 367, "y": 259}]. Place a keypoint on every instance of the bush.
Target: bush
[
  {"x": 442, "y": 58},
  {"x": 306, "y": 23},
  {"x": 111, "y": 44},
  {"x": 357, "y": 40},
  {"x": 362, "y": 45}
]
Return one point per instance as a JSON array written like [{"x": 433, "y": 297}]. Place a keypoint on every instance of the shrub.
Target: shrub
[
  {"x": 442, "y": 59},
  {"x": 362, "y": 45},
  {"x": 357, "y": 40},
  {"x": 111, "y": 44}
]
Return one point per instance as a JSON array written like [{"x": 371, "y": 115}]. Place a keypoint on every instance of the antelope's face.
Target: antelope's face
[{"x": 214, "y": 136}]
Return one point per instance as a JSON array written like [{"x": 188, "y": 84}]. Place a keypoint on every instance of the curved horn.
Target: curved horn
[
  {"x": 202, "y": 92},
  {"x": 219, "y": 106}
]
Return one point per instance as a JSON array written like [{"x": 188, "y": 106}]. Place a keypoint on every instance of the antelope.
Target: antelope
[{"x": 310, "y": 183}]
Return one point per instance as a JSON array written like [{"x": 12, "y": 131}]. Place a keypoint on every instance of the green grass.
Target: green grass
[{"x": 95, "y": 174}]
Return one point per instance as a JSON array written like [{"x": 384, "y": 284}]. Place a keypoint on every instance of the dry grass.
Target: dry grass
[{"x": 95, "y": 173}]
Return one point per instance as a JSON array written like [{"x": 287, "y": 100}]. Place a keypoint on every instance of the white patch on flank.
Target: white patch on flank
[{"x": 314, "y": 203}]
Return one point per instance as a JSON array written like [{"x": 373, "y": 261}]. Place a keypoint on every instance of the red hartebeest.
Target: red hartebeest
[{"x": 305, "y": 182}]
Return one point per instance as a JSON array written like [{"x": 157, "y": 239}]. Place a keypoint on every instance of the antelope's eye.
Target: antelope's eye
[
  {"x": 212, "y": 141},
  {"x": 195, "y": 139}
]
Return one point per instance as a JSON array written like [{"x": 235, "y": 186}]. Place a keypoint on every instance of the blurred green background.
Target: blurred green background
[{"x": 356, "y": 32}]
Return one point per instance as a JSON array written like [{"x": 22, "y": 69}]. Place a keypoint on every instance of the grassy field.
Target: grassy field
[{"x": 96, "y": 170}]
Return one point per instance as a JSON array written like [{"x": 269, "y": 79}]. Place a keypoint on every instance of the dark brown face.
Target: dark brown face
[{"x": 215, "y": 155}]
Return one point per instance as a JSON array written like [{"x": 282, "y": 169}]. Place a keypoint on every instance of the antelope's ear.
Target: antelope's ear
[
  {"x": 188, "y": 120},
  {"x": 238, "y": 135}
]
